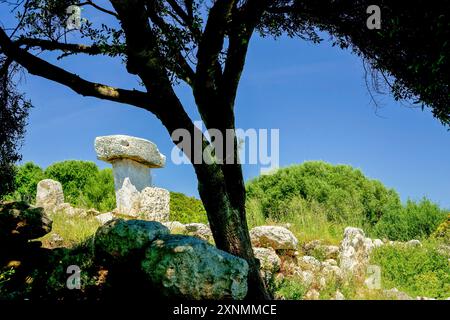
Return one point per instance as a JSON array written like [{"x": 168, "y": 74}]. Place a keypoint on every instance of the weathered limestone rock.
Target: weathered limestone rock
[
  {"x": 175, "y": 227},
  {"x": 68, "y": 210},
  {"x": 190, "y": 268},
  {"x": 339, "y": 296},
  {"x": 377, "y": 243},
  {"x": 199, "y": 230},
  {"x": 112, "y": 148},
  {"x": 155, "y": 204},
  {"x": 128, "y": 199},
  {"x": 132, "y": 158},
  {"x": 414, "y": 243},
  {"x": 118, "y": 239},
  {"x": 312, "y": 294},
  {"x": 355, "y": 251},
  {"x": 49, "y": 195},
  {"x": 309, "y": 263},
  {"x": 19, "y": 222},
  {"x": 55, "y": 240},
  {"x": 395, "y": 294},
  {"x": 270, "y": 261},
  {"x": 104, "y": 218},
  {"x": 275, "y": 237}
]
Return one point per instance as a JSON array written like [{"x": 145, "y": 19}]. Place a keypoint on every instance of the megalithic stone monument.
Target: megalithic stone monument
[{"x": 132, "y": 160}]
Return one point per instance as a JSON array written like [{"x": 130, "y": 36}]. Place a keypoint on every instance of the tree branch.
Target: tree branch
[
  {"x": 66, "y": 47},
  {"x": 42, "y": 68},
  {"x": 96, "y": 6}
]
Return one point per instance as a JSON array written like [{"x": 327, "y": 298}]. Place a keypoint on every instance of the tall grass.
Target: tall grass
[{"x": 74, "y": 230}]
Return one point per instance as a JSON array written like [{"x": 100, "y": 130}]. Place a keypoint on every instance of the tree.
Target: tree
[
  {"x": 13, "y": 114},
  {"x": 204, "y": 44}
]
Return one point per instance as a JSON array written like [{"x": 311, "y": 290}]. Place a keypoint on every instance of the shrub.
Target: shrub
[
  {"x": 289, "y": 289},
  {"x": 99, "y": 192},
  {"x": 418, "y": 271},
  {"x": 417, "y": 220},
  {"x": 73, "y": 175},
  {"x": 26, "y": 179},
  {"x": 443, "y": 231},
  {"x": 186, "y": 209},
  {"x": 344, "y": 192}
]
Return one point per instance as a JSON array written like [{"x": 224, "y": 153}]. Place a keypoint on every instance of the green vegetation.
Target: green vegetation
[
  {"x": 418, "y": 271},
  {"x": 321, "y": 199},
  {"x": 73, "y": 230},
  {"x": 86, "y": 186},
  {"x": 186, "y": 209},
  {"x": 413, "y": 221},
  {"x": 344, "y": 192},
  {"x": 318, "y": 200}
]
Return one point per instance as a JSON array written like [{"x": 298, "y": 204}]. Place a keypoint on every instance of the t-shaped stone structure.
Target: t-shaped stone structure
[{"x": 132, "y": 160}]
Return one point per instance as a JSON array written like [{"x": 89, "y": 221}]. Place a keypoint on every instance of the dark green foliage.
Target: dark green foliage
[
  {"x": 344, "y": 192},
  {"x": 13, "y": 115},
  {"x": 186, "y": 209},
  {"x": 418, "y": 271},
  {"x": 442, "y": 232},
  {"x": 99, "y": 192},
  {"x": 26, "y": 180},
  {"x": 74, "y": 176},
  {"x": 86, "y": 186},
  {"x": 417, "y": 220},
  {"x": 409, "y": 55}
]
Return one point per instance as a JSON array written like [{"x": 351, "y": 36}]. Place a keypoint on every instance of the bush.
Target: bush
[
  {"x": 186, "y": 209},
  {"x": 26, "y": 179},
  {"x": 344, "y": 192},
  {"x": 73, "y": 175},
  {"x": 442, "y": 232},
  {"x": 99, "y": 192},
  {"x": 417, "y": 220},
  {"x": 418, "y": 271}
]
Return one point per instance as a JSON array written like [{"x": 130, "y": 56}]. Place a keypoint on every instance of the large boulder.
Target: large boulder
[
  {"x": 199, "y": 230},
  {"x": 119, "y": 239},
  {"x": 20, "y": 222},
  {"x": 275, "y": 237},
  {"x": 189, "y": 268},
  {"x": 269, "y": 260},
  {"x": 155, "y": 204},
  {"x": 49, "y": 195},
  {"x": 355, "y": 251}
]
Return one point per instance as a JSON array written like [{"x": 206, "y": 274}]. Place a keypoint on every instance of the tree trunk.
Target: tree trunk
[{"x": 228, "y": 221}]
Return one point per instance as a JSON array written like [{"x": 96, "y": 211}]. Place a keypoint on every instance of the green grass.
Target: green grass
[{"x": 74, "y": 230}]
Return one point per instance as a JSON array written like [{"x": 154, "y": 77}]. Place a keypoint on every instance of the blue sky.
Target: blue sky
[{"x": 315, "y": 95}]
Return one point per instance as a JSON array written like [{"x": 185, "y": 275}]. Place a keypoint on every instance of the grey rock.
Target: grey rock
[
  {"x": 199, "y": 230},
  {"x": 175, "y": 227},
  {"x": 355, "y": 251},
  {"x": 111, "y": 148},
  {"x": 270, "y": 261},
  {"x": 119, "y": 239},
  {"x": 190, "y": 268},
  {"x": 278, "y": 238},
  {"x": 155, "y": 204},
  {"x": 104, "y": 218},
  {"x": 49, "y": 195}
]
